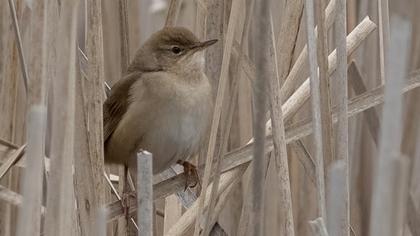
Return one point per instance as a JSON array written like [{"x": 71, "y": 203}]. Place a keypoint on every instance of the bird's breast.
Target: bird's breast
[{"x": 180, "y": 124}]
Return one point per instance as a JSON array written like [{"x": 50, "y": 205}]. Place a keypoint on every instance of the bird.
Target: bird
[{"x": 162, "y": 104}]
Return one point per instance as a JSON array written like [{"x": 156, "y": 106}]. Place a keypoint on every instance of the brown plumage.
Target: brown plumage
[{"x": 163, "y": 104}]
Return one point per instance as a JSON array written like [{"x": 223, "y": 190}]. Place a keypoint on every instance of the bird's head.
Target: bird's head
[{"x": 171, "y": 48}]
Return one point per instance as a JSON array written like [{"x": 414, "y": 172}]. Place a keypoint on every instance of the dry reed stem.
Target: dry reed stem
[
  {"x": 342, "y": 139},
  {"x": 305, "y": 159},
  {"x": 263, "y": 73},
  {"x": 8, "y": 144},
  {"x": 383, "y": 223},
  {"x": 301, "y": 62},
  {"x": 173, "y": 211},
  {"x": 11, "y": 160},
  {"x": 324, "y": 81},
  {"x": 200, "y": 18},
  {"x": 23, "y": 64},
  {"x": 233, "y": 18},
  {"x": 124, "y": 34},
  {"x": 413, "y": 213},
  {"x": 29, "y": 217},
  {"x": 221, "y": 203},
  {"x": 241, "y": 50},
  {"x": 243, "y": 155},
  {"x": 392, "y": 185},
  {"x": 60, "y": 196},
  {"x": 372, "y": 118},
  {"x": 225, "y": 128},
  {"x": 101, "y": 222},
  {"x": 173, "y": 12},
  {"x": 287, "y": 36},
  {"x": 354, "y": 39},
  {"x": 122, "y": 224},
  {"x": 280, "y": 149},
  {"x": 337, "y": 195},
  {"x": 413, "y": 216},
  {"x": 89, "y": 160},
  {"x": 29, "y": 220},
  {"x": 145, "y": 193},
  {"x": 384, "y": 37},
  {"x": 315, "y": 91},
  {"x": 280, "y": 62},
  {"x": 215, "y": 26}
]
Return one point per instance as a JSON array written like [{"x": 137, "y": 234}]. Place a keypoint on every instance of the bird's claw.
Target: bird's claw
[
  {"x": 191, "y": 173},
  {"x": 125, "y": 201}
]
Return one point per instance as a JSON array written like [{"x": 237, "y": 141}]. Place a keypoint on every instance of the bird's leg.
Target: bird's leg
[
  {"x": 191, "y": 173},
  {"x": 127, "y": 194}
]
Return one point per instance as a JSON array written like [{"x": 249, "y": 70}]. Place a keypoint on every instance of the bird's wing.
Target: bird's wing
[{"x": 117, "y": 103}]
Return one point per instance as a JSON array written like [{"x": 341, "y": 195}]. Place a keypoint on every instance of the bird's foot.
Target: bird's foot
[
  {"x": 126, "y": 199},
  {"x": 191, "y": 172}
]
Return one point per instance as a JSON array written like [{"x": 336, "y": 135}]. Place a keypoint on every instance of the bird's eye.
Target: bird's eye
[{"x": 176, "y": 50}]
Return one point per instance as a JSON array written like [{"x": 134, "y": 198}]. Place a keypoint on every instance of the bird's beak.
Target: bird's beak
[{"x": 205, "y": 44}]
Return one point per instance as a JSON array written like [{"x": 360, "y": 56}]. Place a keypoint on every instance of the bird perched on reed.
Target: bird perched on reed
[{"x": 163, "y": 104}]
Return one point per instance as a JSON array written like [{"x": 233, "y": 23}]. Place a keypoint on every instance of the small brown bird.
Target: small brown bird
[{"x": 163, "y": 104}]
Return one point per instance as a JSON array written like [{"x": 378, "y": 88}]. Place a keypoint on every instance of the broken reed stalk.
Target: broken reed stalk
[
  {"x": 233, "y": 19},
  {"x": 145, "y": 193},
  {"x": 342, "y": 129},
  {"x": 316, "y": 109},
  {"x": 29, "y": 218},
  {"x": 279, "y": 140},
  {"x": 382, "y": 221},
  {"x": 60, "y": 218}
]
